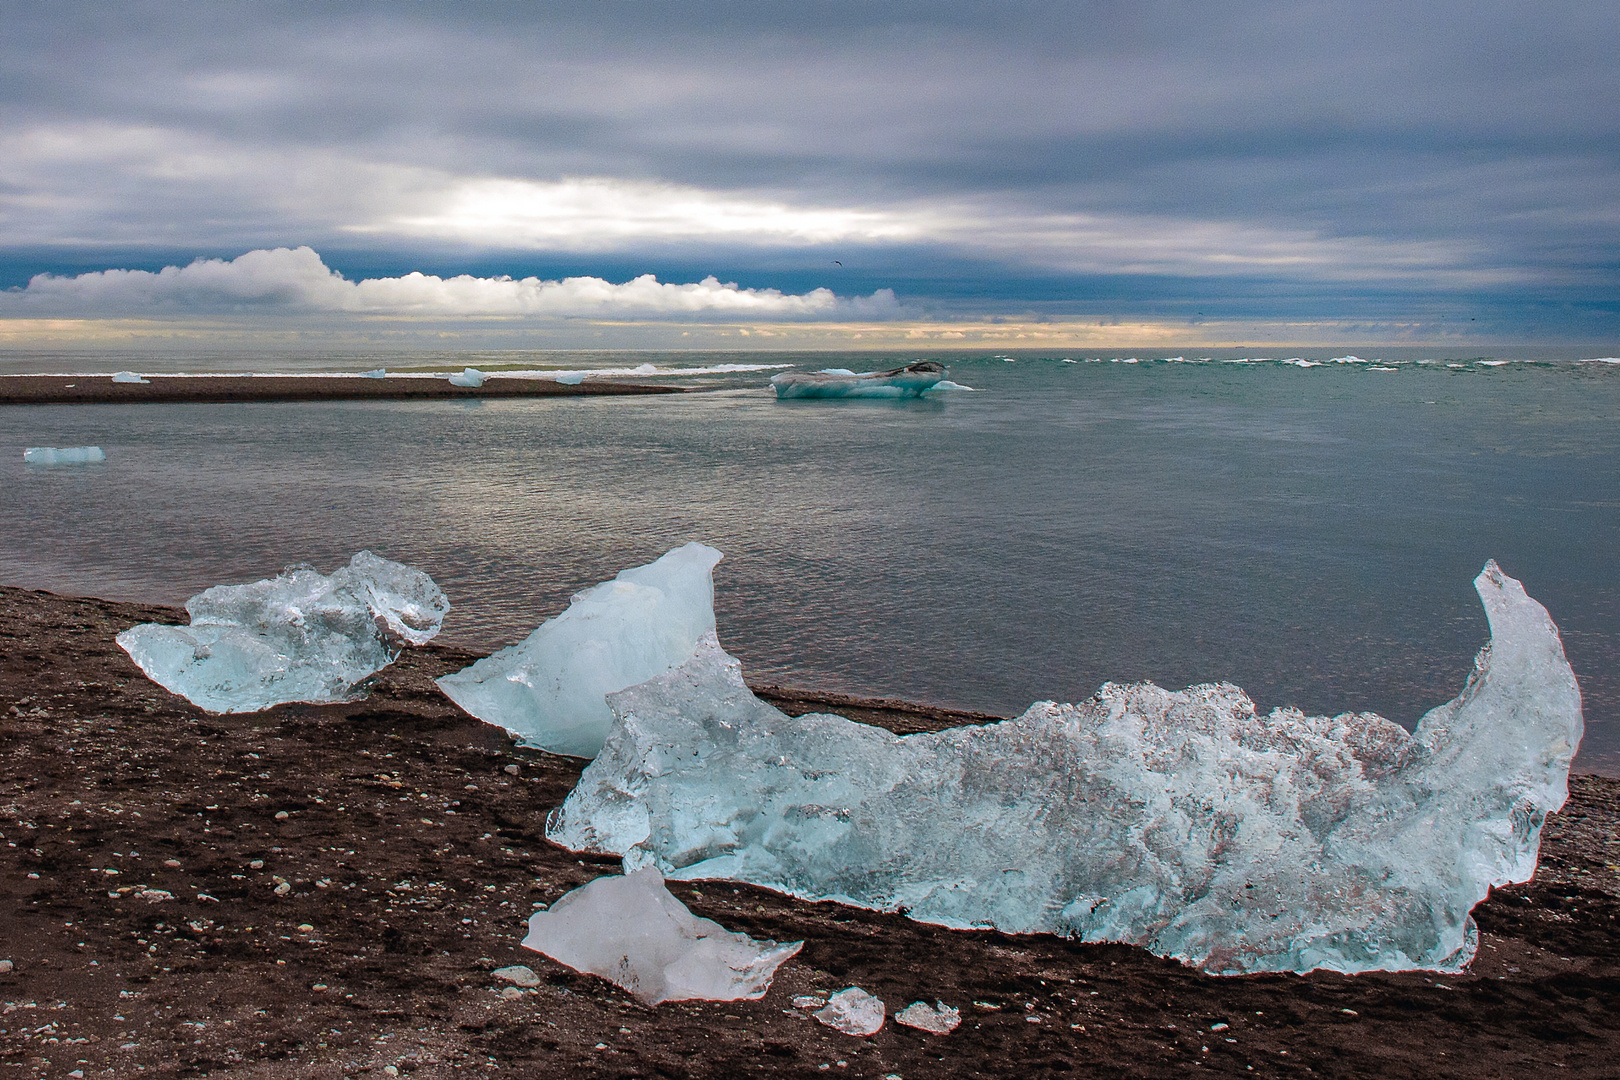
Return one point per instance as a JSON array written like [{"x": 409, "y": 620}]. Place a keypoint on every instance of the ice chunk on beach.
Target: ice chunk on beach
[
  {"x": 571, "y": 378},
  {"x": 1179, "y": 821},
  {"x": 300, "y": 636},
  {"x": 468, "y": 377},
  {"x": 127, "y": 377},
  {"x": 63, "y": 455},
  {"x": 936, "y": 1019},
  {"x": 548, "y": 690},
  {"x": 909, "y": 381},
  {"x": 375, "y": 373},
  {"x": 852, "y": 1011},
  {"x": 631, "y": 931}
]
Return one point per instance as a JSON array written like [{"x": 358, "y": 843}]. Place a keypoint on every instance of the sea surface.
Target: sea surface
[{"x": 1304, "y": 528}]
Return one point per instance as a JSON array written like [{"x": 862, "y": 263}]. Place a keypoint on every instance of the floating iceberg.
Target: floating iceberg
[
  {"x": 127, "y": 377},
  {"x": 468, "y": 377},
  {"x": 548, "y": 689},
  {"x": 631, "y": 931},
  {"x": 1181, "y": 822},
  {"x": 301, "y": 636},
  {"x": 909, "y": 381},
  {"x": 63, "y": 455}
]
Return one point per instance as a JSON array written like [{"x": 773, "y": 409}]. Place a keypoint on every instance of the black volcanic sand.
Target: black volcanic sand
[
  {"x": 411, "y": 839},
  {"x": 101, "y": 390}
]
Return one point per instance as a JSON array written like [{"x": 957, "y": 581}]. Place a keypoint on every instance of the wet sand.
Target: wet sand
[
  {"x": 411, "y": 841},
  {"x": 101, "y": 390}
]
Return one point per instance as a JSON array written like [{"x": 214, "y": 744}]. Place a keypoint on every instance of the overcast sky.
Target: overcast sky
[{"x": 1172, "y": 171}]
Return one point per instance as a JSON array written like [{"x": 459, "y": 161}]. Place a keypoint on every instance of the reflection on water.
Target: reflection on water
[{"x": 1309, "y": 534}]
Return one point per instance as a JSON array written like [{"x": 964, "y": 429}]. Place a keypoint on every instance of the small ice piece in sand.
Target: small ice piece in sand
[
  {"x": 548, "y": 689},
  {"x": 468, "y": 377},
  {"x": 377, "y": 373},
  {"x": 631, "y": 931},
  {"x": 301, "y": 636},
  {"x": 852, "y": 1011},
  {"x": 938, "y": 1019},
  {"x": 1182, "y": 822},
  {"x": 913, "y": 380},
  {"x": 63, "y": 455},
  {"x": 127, "y": 377},
  {"x": 518, "y": 975}
]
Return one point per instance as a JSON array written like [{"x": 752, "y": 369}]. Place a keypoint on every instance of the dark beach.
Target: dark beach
[
  {"x": 101, "y": 390},
  {"x": 410, "y": 837}
]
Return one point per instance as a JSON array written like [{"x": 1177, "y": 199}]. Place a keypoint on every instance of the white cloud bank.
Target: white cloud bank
[{"x": 297, "y": 280}]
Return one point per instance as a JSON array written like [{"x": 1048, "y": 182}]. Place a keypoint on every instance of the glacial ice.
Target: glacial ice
[
  {"x": 127, "y": 377},
  {"x": 375, "y": 373},
  {"x": 910, "y": 381},
  {"x": 468, "y": 377},
  {"x": 571, "y": 378},
  {"x": 853, "y": 1011},
  {"x": 936, "y": 1019},
  {"x": 63, "y": 455},
  {"x": 631, "y": 931},
  {"x": 1178, "y": 821},
  {"x": 300, "y": 636},
  {"x": 548, "y": 689}
]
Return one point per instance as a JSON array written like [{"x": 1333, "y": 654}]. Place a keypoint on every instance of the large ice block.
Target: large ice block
[
  {"x": 1181, "y": 822},
  {"x": 548, "y": 690},
  {"x": 301, "y": 636},
  {"x": 631, "y": 931},
  {"x": 64, "y": 455},
  {"x": 913, "y": 380}
]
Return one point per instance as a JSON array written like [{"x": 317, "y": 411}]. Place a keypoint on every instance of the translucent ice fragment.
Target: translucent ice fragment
[
  {"x": 548, "y": 690},
  {"x": 127, "y": 377},
  {"x": 571, "y": 378},
  {"x": 301, "y": 636},
  {"x": 631, "y": 931},
  {"x": 909, "y": 381},
  {"x": 468, "y": 377},
  {"x": 1182, "y": 822},
  {"x": 375, "y": 373},
  {"x": 63, "y": 455},
  {"x": 937, "y": 1019},
  {"x": 852, "y": 1011}
]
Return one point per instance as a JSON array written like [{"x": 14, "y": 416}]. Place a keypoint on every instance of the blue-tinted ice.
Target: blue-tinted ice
[
  {"x": 300, "y": 636},
  {"x": 1178, "y": 821},
  {"x": 64, "y": 455},
  {"x": 548, "y": 690},
  {"x": 909, "y": 381}
]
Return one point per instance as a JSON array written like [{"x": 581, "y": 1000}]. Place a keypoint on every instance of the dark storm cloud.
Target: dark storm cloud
[{"x": 1452, "y": 146}]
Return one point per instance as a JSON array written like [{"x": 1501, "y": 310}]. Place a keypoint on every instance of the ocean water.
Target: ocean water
[{"x": 1307, "y": 530}]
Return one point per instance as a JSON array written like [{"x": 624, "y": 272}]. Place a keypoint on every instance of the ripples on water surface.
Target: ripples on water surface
[{"x": 1307, "y": 533}]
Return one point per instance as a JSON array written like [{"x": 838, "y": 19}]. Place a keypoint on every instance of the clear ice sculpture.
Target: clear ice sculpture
[
  {"x": 633, "y": 932},
  {"x": 1178, "y": 821},
  {"x": 300, "y": 636},
  {"x": 549, "y": 690},
  {"x": 64, "y": 455},
  {"x": 909, "y": 381}
]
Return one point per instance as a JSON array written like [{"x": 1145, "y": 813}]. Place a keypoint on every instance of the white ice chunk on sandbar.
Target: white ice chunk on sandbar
[
  {"x": 853, "y": 1011},
  {"x": 127, "y": 377},
  {"x": 631, "y": 931},
  {"x": 301, "y": 636},
  {"x": 1181, "y": 822},
  {"x": 468, "y": 377},
  {"x": 913, "y": 380},
  {"x": 63, "y": 455},
  {"x": 936, "y": 1019},
  {"x": 548, "y": 690}
]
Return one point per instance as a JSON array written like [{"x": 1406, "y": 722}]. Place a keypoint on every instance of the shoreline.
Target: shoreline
[
  {"x": 182, "y": 389},
  {"x": 410, "y": 837}
]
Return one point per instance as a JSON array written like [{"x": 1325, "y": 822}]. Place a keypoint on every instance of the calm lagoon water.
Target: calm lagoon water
[{"x": 1309, "y": 533}]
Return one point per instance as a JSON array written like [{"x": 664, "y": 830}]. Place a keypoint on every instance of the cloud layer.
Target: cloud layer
[{"x": 296, "y": 280}]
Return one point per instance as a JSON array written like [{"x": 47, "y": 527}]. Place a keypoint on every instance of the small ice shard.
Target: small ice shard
[
  {"x": 631, "y": 931},
  {"x": 63, "y": 455},
  {"x": 1181, "y": 822},
  {"x": 300, "y": 636},
  {"x": 852, "y": 1011},
  {"x": 909, "y": 381},
  {"x": 548, "y": 689},
  {"x": 377, "y": 373},
  {"x": 937, "y": 1019},
  {"x": 468, "y": 377},
  {"x": 571, "y": 378},
  {"x": 127, "y": 377}
]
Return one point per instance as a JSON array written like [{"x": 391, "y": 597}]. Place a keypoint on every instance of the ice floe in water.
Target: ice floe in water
[
  {"x": 913, "y": 380},
  {"x": 300, "y": 636},
  {"x": 1178, "y": 821},
  {"x": 64, "y": 455},
  {"x": 548, "y": 690},
  {"x": 631, "y": 931}
]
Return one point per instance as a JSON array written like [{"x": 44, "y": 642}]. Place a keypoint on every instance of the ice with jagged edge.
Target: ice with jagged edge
[
  {"x": 300, "y": 636},
  {"x": 64, "y": 455},
  {"x": 548, "y": 690},
  {"x": 1178, "y": 821},
  {"x": 911, "y": 381},
  {"x": 631, "y": 931}
]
